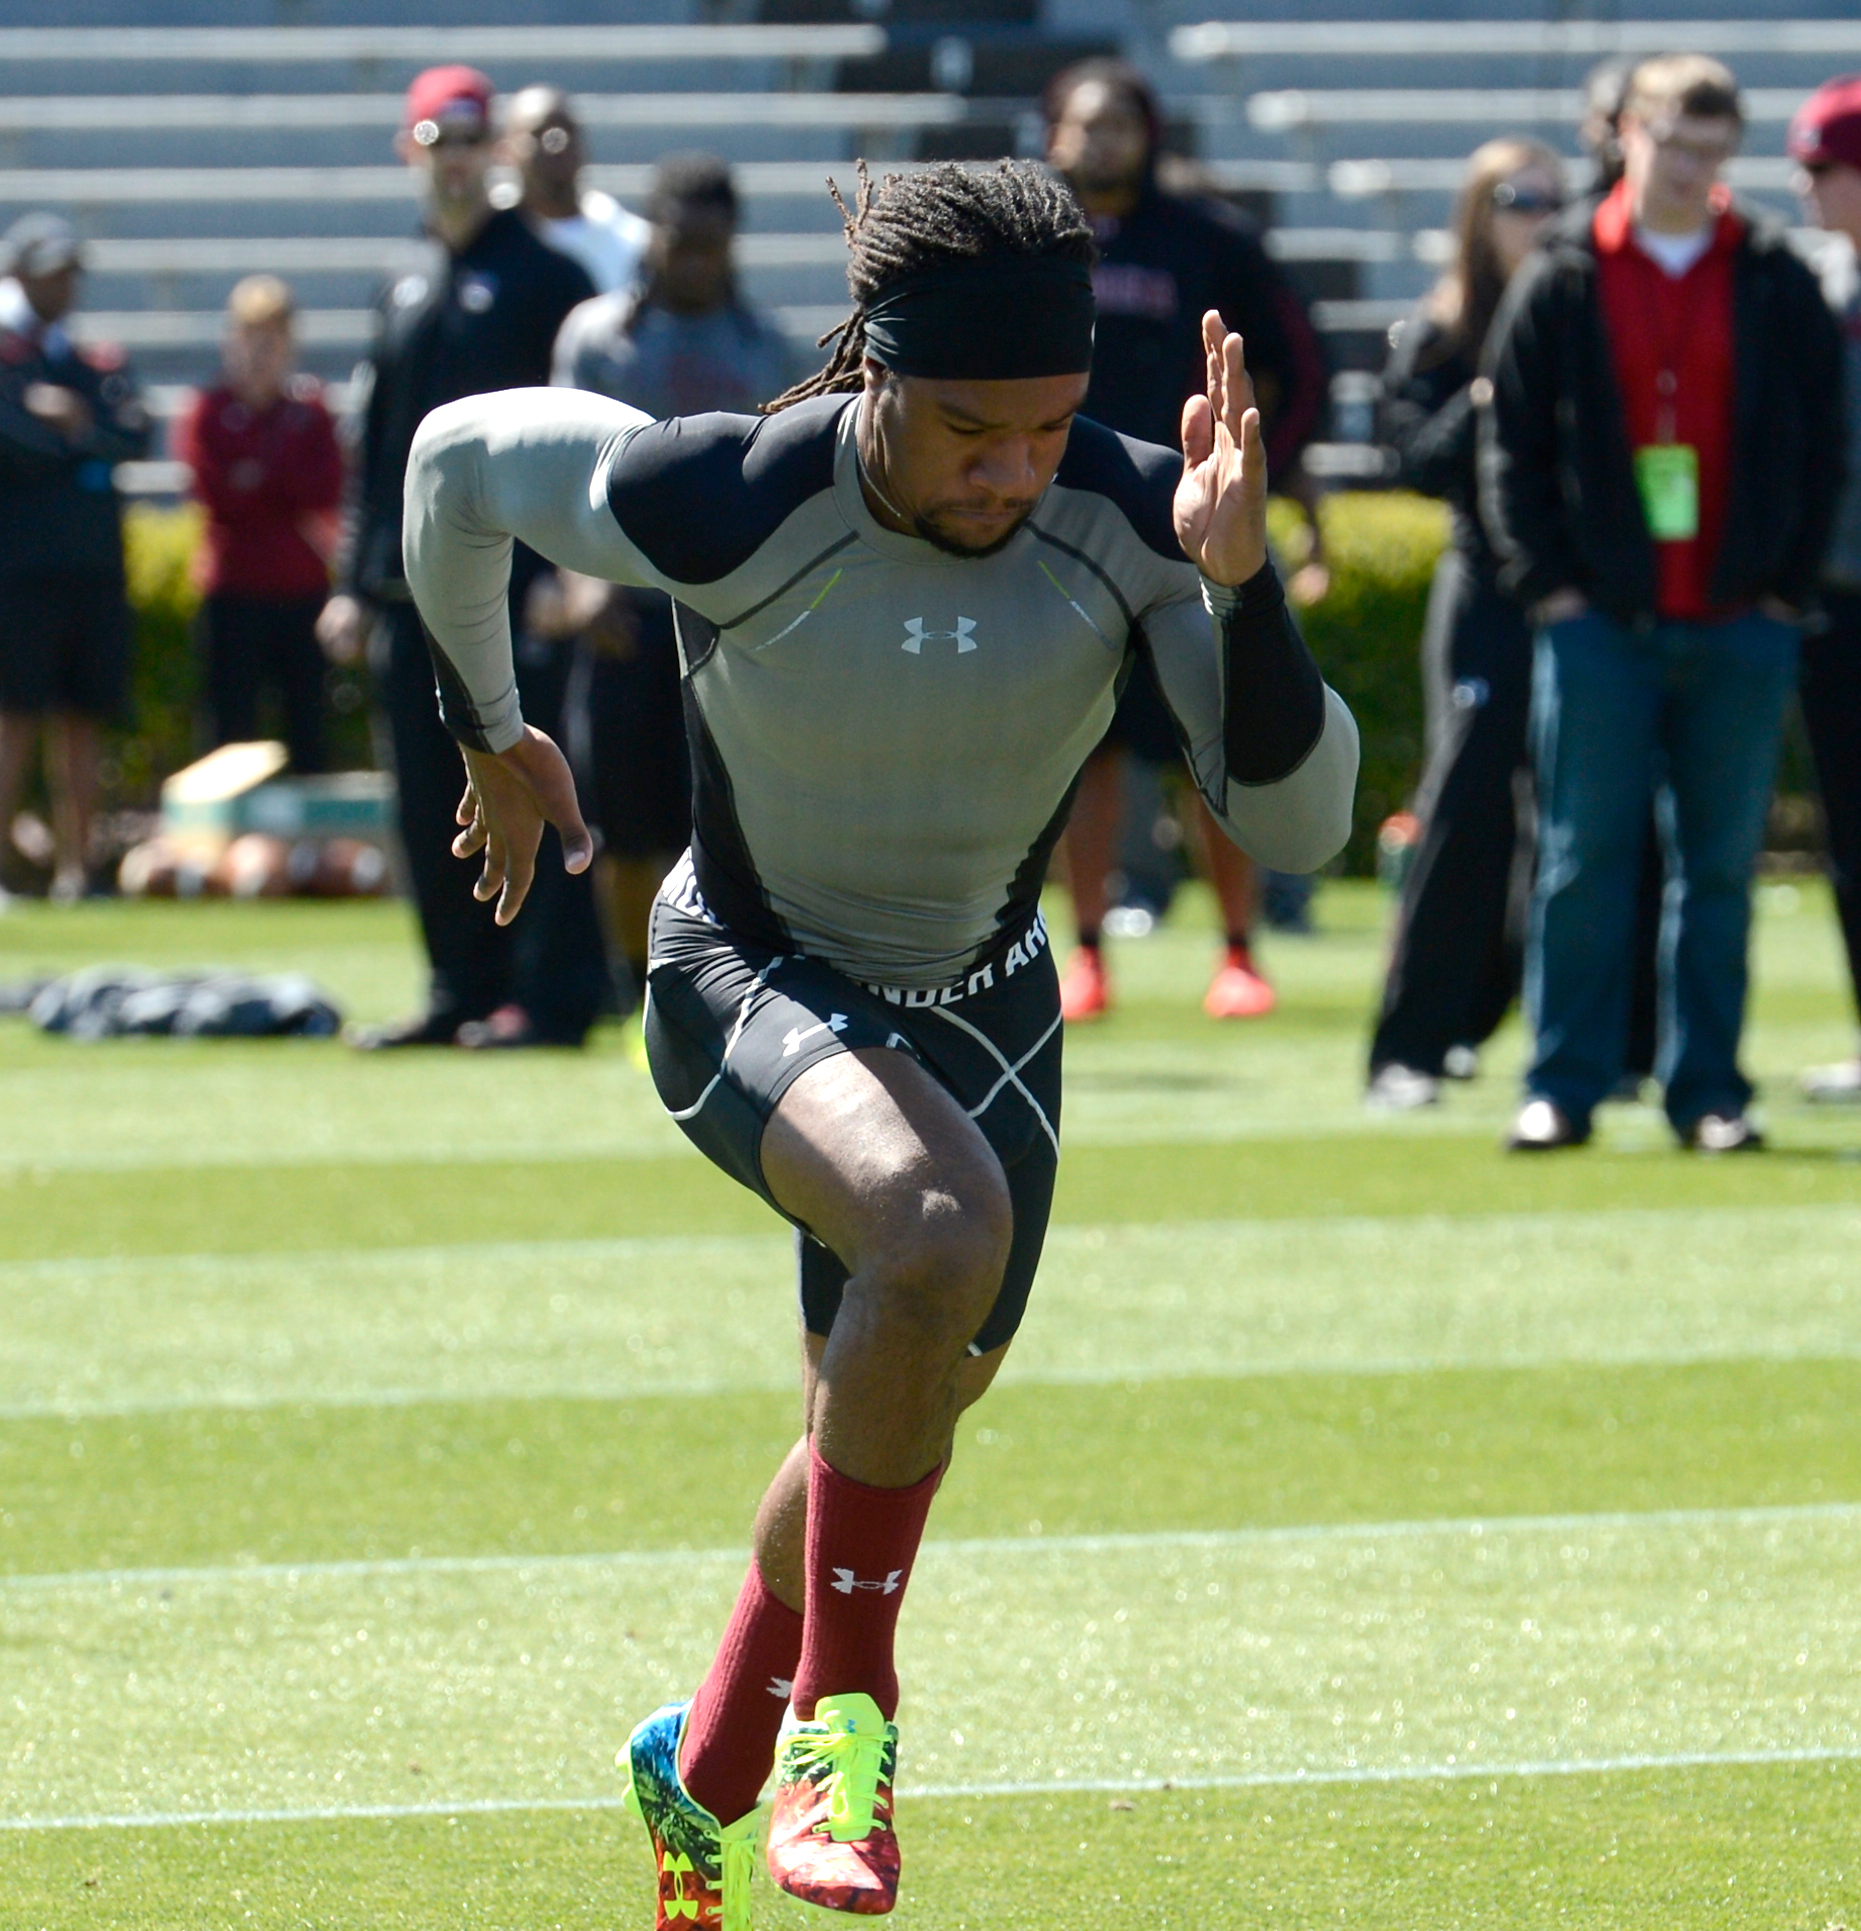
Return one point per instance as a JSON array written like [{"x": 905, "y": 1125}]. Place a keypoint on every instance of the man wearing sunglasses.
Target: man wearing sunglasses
[
  {"x": 479, "y": 312},
  {"x": 1660, "y": 463}
]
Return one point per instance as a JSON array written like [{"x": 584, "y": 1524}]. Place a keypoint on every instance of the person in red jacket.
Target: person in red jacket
[{"x": 268, "y": 470}]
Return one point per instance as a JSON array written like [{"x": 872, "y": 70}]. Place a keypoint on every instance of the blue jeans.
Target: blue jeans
[{"x": 1693, "y": 712}]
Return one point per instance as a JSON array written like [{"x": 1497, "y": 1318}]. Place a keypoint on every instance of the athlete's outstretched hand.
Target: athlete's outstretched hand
[
  {"x": 1221, "y": 502},
  {"x": 509, "y": 797}
]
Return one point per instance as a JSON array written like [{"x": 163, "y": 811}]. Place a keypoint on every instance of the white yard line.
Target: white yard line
[
  {"x": 1448, "y": 1771},
  {"x": 591, "y": 1320},
  {"x": 1368, "y": 1368},
  {"x": 1472, "y": 1527}
]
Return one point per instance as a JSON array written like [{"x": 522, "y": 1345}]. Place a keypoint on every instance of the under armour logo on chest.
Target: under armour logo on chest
[{"x": 916, "y": 636}]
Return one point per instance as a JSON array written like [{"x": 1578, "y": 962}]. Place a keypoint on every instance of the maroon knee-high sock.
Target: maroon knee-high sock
[
  {"x": 861, "y": 1544},
  {"x": 736, "y": 1715}
]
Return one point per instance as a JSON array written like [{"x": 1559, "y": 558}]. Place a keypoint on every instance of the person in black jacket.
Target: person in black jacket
[
  {"x": 68, "y": 416},
  {"x": 1659, "y": 471},
  {"x": 1454, "y": 965},
  {"x": 480, "y": 313},
  {"x": 1165, "y": 259}
]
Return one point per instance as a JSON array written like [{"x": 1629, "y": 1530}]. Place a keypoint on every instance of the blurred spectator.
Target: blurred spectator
[
  {"x": 1665, "y": 543},
  {"x": 1825, "y": 142},
  {"x": 1600, "y": 131},
  {"x": 1164, "y": 260},
  {"x": 267, "y": 467},
  {"x": 68, "y": 415},
  {"x": 544, "y": 142},
  {"x": 685, "y": 343},
  {"x": 481, "y": 313},
  {"x": 1454, "y": 967}
]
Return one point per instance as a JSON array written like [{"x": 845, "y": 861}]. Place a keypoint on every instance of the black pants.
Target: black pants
[
  {"x": 1832, "y": 717},
  {"x": 1455, "y": 965},
  {"x": 249, "y": 643},
  {"x": 626, "y": 737},
  {"x": 1456, "y": 962},
  {"x": 551, "y": 961}
]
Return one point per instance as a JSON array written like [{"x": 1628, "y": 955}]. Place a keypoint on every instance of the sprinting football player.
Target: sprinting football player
[{"x": 907, "y": 597}]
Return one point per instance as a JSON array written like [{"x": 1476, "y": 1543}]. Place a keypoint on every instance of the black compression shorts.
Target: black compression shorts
[{"x": 730, "y": 1025}]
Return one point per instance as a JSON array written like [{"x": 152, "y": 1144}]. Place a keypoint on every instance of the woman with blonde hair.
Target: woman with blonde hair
[{"x": 1454, "y": 967}]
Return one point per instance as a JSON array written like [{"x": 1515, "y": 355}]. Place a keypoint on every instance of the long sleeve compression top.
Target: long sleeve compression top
[{"x": 884, "y": 736}]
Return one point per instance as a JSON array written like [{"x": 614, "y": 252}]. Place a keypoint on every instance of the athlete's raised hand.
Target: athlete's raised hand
[
  {"x": 509, "y": 797},
  {"x": 1221, "y": 502}
]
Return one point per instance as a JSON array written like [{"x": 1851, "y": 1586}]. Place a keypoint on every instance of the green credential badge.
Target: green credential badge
[{"x": 1667, "y": 474}]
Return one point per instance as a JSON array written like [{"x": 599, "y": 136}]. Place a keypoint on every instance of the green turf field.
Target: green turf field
[{"x": 1367, "y": 1530}]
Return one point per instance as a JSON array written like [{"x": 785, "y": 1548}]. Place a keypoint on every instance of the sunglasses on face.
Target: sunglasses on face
[
  {"x": 430, "y": 135},
  {"x": 1709, "y": 151},
  {"x": 1517, "y": 200}
]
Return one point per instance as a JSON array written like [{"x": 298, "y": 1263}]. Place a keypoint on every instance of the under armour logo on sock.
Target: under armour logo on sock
[
  {"x": 782, "y": 1688},
  {"x": 846, "y": 1582}
]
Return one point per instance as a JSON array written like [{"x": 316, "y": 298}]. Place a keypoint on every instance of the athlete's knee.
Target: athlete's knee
[{"x": 941, "y": 1265}]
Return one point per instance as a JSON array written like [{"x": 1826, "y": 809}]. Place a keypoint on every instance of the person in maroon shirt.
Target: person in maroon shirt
[
  {"x": 1660, "y": 459},
  {"x": 269, "y": 472}
]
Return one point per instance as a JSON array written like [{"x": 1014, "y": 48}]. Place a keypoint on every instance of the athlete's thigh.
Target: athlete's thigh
[{"x": 871, "y": 1154}]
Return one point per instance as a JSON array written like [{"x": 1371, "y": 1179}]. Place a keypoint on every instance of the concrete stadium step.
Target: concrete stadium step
[
  {"x": 1539, "y": 39},
  {"x": 1290, "y": 110},
  {"x": 418, "y": 47},
  {"x": 98, "y": 188},
  {"x": 249, "y": 60},
  {"x": 185, "y": 273},
  {"x": 1260, "y": 55},
  {"x": 196, "y": 114}
]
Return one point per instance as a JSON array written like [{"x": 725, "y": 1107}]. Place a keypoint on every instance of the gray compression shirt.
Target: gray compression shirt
[{"x": 884, "y": 737}]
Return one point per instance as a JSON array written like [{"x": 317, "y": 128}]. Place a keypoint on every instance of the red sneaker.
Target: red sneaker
[
  {"x": 830, "y": 1838},
  {"x": 1237, "y": 991},
  {"x": 1085, "y": 990}
]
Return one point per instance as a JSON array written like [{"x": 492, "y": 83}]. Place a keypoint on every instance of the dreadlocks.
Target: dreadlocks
[{"x": 946, "y": 213}]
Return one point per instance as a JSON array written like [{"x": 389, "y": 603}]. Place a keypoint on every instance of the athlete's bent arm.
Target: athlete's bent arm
[
  {"x": 527, "y": 464},
  {"x": 1273, "y": 749}
]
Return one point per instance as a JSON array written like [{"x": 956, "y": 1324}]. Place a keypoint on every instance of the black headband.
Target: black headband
[{"x": 998, "y": 319}]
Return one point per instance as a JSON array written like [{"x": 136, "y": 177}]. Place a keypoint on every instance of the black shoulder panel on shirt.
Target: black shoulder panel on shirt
[
  {"x": 700, "y": 495},
  {"x": 1140, "y": 478}
]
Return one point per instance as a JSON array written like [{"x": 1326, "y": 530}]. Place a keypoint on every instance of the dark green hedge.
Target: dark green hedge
[
  {"x": 1381, "y": 549},
  {"x": 164, "y": 729}
]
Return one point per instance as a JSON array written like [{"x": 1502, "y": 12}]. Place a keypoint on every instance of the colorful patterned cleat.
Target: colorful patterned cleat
[
  {"x": 704, "y": 1867},
  {"x": 831, "y": 1841}
]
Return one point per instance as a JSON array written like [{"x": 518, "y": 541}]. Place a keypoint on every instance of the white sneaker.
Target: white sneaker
[
  {"x": 1396, "y": 1088},
  {"x": 1461, "y": 1063},
  {"x": 1834, "y": 1084}
]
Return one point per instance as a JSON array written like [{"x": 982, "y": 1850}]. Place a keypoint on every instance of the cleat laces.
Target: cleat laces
[
  {"x": 739, "y": 1863},
  {"x": 852, "y": 1764}
]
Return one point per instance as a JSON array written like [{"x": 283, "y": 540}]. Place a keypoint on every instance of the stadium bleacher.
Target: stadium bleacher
[{"x": 193, "y": 147}]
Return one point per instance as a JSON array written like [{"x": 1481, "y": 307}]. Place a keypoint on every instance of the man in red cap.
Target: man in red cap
[
  {"x": 479, "y": 313},
  {"x": 1825, "y": 143}
]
